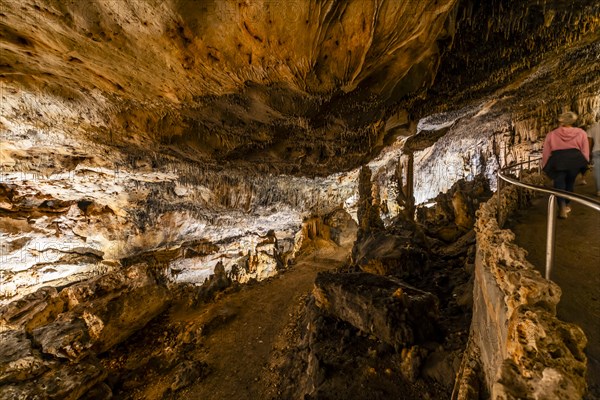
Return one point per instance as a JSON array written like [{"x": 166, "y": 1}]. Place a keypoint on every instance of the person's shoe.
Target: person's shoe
[
  {"x": 583, "y": 182},
  {"x": 563, "y": 213},
  {"x": 568, "y": 209}
]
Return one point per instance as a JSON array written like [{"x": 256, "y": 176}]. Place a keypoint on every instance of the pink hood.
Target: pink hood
[
  {"x": 567, "y": 133},
  {"x": 563, "y": 138}
]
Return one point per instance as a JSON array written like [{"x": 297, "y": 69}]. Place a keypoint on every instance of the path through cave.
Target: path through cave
[
  {"x": 575, "y": 267},
  {"x": 238, "y": 331}
]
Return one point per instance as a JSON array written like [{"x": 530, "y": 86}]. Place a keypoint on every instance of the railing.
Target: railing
[{"x": 551, "y": 227}]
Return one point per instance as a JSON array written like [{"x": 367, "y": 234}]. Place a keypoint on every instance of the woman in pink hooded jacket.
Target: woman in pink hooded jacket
[{"x": 566, "y": 153}]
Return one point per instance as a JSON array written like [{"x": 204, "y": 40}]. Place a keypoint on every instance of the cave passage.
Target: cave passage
[
  {"x": 577, "y": 260},
  {"x": 290, "y": 199}
]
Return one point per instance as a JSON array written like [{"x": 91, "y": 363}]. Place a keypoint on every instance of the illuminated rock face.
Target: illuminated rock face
[
  {"x": 74, "y": 215},
  {"x": 130, "y": 127},
  {"x": 296, "y": 87},
  {"x": 301, "y": 85},
  {"x": 207, "y": 104}
]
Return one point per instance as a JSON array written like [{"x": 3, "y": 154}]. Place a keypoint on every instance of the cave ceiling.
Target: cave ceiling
[{"x": 301, "y": 86}]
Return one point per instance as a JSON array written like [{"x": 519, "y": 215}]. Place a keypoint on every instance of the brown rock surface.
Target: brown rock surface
[
  {"x": 524, "y": 350},
  {"x": 577, "y": 256},
  {"x": 134, "y": 129},
  {"x": 297, "y": 86},
  {"x": 107, "y": 287},
  {"x": 67, "y": 337},
  {"x": 68, "y": 382},
  {"x": 33, "y": 310},
  {"x": 282, "y": 69},
  {"x": 18, "y": 360},
  {"x": 392, "y": 311},
  {"x": 103, "y": 312},
  {"x": 109, "y": 107},
  {"x": 547, "y": 358}
]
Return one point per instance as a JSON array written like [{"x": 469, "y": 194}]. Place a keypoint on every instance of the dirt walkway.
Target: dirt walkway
[
  {"x": 576, "y": 267},
  {"x": 238, "y": 348}
]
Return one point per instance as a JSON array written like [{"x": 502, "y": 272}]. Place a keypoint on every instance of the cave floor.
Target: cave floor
[
  {"x": 576, "y": 266},
  {"x": 238, "y": 354},
  {"x": 238, "y": 331},
  {"x": 246, "y": 343}
]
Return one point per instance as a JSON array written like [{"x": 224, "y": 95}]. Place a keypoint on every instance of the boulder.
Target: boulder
[
  {"x": 464, "y": 215},
  {"x": 102, "y": 313},
  {"x": 67, "y": 337},
  {"x": 101, "y": 324},
  {"x": 107, "y": 286},
  {"x": 187, "y": 373},
  {"x": 387, "y": 308},
  {"x": 68, "y": 382},
  {"x": 14, "y": 392},
  {"x": 99, "y": 392},
  {"x": 124, "y": 316},
  {"x": 390, "y": 254}
]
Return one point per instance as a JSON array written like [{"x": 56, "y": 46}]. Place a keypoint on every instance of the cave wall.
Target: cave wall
[
  {"x": 520, "y": 347},
  {"x": 511, "y": 69},
  {"x": 72, "y": 209},
  {"x": 188, "y": 133}
]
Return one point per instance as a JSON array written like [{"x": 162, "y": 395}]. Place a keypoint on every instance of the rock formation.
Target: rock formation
[
  {"x": 523, "y": 350},
  {"x": 154, "y": 152},
  {"x": 200, "y": 138}
]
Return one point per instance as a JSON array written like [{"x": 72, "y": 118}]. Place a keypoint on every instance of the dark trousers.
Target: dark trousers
[{"x": 565, "y": 180}]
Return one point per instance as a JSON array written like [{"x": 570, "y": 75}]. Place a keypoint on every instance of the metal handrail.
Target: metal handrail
[{"x": 551, "y": 227}]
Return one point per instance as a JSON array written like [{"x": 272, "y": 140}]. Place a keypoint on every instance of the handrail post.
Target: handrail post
[
  {"x": 550, "y": 235},
  {"x": 498, "y": 191}
]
